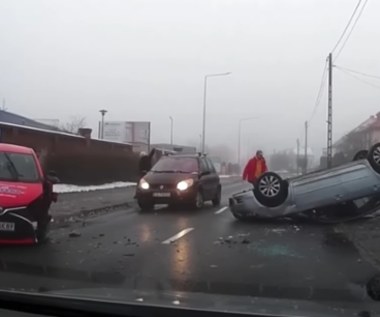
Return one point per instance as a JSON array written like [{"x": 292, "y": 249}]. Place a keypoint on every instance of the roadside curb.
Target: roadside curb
[{"x": 62, "y": 219}]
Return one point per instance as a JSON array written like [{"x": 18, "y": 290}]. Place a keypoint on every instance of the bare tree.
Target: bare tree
[{"x": 74, "y": 124}]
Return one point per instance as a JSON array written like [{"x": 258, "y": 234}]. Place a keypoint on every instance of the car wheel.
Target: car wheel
[
  {"x": 271, "y": 190},
  {"x": 218, "y": 197},
  {"x": 361, "y": 155},
  {"x": 374, "y": 157},
  {"x": 145, "y": 206},
  {"x": 198, "y": 200},
  {"x": 42, "y": 233}
]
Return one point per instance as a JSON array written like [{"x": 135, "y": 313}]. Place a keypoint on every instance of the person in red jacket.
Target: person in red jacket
[{"x": 255, "y": 167}]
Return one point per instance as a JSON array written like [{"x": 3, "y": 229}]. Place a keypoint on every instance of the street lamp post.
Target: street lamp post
[
  {"x": 204, "y": 107},
  {"x": 171, "y": 129},
  {"x": 239, "y": 135},
  {"x": 103, "y": 113}
]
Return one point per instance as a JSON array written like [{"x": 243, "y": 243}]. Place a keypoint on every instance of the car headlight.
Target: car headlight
[
  {"x": 185, "y": 184},
  {"x": 144, "y": 184}
]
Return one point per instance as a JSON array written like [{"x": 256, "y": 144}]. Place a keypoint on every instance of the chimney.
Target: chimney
[{"x": 85, "y": 132}]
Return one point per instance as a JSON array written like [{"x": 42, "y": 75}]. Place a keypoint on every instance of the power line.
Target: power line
[
  {"x": 357, "y": 72},
  {"x": 320, "y": 92},
  {"x": 353, "y": 27},
  {"x": 346, "y": 28},
  {"x": 358, "y": 78}
]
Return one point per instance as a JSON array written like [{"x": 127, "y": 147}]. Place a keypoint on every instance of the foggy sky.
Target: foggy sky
[{"x": 146, "y": 60}]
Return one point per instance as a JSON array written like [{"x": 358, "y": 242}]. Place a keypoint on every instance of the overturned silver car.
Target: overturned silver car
[{"x": 276, "y": 197}]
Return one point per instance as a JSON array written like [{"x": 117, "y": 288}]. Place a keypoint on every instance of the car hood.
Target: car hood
[
  {"x": 15, "y": 194},
  {"x": 167, "y": 178},
  {"x": 226, "y": 305}
]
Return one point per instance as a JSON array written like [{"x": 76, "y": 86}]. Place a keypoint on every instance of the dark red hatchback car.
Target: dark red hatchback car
[
  {"x": 25, "y": 196},
  {"x": 180, "y": 180}
]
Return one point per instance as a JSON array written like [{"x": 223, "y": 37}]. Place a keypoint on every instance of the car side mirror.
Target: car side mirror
[
  {"x": 52, "y": 177},
  {"x": 205, "y": 173}
]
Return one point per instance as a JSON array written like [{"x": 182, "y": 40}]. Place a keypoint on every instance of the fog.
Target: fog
[{"x": 146, "y": 60}]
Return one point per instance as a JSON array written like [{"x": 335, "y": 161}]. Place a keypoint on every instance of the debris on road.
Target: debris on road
[
  {"x": 230, "y": 240},
  {"x": 101, "y": 234},
  {"x": 176, "y": 302},
  {"x": 139, "y": 299},
  {"x": 129, "y": 254},
  {"x": 213, "y": 266},
  {"x": 278, "y": 230},
  {"x": 296, "y": 228},
  {"x": 74, "y": 234}
]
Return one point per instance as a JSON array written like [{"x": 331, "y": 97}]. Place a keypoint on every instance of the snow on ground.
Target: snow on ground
[{"x": 67, "y": 188}]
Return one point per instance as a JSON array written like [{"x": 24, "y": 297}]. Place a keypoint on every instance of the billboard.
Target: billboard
[{"x": 127, "y": 132}]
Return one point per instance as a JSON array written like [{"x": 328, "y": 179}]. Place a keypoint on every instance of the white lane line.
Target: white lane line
[
  {"x": 220, "y": 210},
  {"x": 178, "y": 236}
]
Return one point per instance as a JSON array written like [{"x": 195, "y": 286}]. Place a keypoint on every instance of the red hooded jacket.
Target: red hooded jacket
[{"x": 251, "y": 172}]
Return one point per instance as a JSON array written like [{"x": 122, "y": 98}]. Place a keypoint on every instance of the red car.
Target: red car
[{"x": 26, "y": 194}]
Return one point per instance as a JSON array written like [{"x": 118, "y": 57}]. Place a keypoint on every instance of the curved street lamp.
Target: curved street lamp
[
  {"x": 103, "y": 113},
  {"x": 204, "y": 106}
]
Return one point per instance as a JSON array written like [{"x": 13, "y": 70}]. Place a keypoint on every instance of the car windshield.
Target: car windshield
[
  {"x": 193, "y": 154},
  {"x": 18, "y": 167},
  {"x": 176, "y": 164}
]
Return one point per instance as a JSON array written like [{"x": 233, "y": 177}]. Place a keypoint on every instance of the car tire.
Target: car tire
[
  {"x": 270, "y": 190},
  {"x": 198, "y": 201},
  {"x": 361, "y": 155},
  {"x": 218, "y": 197},
  {"x": 145, "y": 206},
  {"x": 374, "y": 157},
  {"x": 42, "y": 233}
]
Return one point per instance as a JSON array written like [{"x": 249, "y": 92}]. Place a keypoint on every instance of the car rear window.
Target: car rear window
[
  {"x": 18, "y": 167},
  {"x": 176, "y": 164}
]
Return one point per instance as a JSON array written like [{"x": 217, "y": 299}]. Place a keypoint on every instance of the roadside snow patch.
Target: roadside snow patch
[{"x": 67, "y": 188}]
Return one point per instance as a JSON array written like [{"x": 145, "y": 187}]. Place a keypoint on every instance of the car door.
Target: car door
[
  {"x": 205, "y": 179},
  {"x": 328, "y": 187},
  {"x": 214, "y": 178}
]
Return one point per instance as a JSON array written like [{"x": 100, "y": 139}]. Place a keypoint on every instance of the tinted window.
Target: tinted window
[
  {"x": 211, "y": 166},
  {"x": 176, "y": 164},
  {"x": 18, "y": 167},
  {"x": 204, "y": 166}
]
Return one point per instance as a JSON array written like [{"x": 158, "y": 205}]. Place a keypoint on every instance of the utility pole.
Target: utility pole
[
  {"x": 3, "y": 105},
  {"x": 171, "y": 129},
  {"x": 298, "y": 155},
  {"x": 329, "y": 116},
  {"x": 305, "y": 159}
]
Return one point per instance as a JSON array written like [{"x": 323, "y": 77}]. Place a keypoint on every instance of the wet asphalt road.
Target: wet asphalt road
[{"x": 216, "y": 254}]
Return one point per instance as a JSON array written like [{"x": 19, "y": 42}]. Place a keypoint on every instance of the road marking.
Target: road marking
[
  {"x": 220, "y": 210},
  {"x": 178, "y": 236}
]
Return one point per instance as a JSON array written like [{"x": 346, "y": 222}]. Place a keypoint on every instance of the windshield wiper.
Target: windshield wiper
[
  {"x": 172, "y": 171},
  {"x": 12, "y": 168}
]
